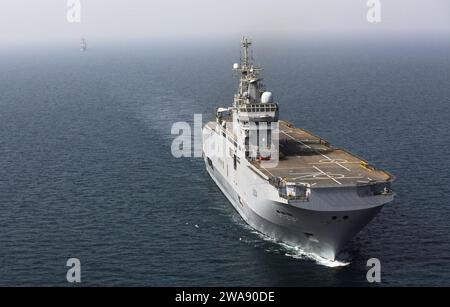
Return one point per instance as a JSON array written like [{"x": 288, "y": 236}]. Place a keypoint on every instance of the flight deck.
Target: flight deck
[{"x": 305, "y": 157}]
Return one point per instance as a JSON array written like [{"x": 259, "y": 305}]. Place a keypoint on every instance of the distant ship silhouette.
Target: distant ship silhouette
[{"x": 83, "y": 45}]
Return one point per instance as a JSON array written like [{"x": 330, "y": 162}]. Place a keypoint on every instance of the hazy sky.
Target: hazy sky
[{"x": 25, "y": 21}]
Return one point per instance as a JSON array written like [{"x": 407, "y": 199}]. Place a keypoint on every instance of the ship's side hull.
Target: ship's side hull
[
  {"x": 321, "y": 226},
  {"x": 314, "y": 231}
]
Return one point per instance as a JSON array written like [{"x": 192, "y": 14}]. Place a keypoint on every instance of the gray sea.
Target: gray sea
[{"x": 86, "y": 168}]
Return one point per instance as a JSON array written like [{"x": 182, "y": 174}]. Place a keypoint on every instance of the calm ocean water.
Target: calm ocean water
[{"x": 86, "y": 169}]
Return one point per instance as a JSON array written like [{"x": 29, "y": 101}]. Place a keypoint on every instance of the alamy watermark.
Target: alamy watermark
[
  {"x": 251, "y": 140},
  {"x": 374, "y": 273},
  {"x": 74, "y": 273},
  {"x": 73, "y": 14},
  {"x": 374, "y": 12}
]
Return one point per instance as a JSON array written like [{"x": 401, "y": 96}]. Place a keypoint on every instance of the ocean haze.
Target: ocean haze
[
  {"x": 44, "y": 21},
  {"x": 86, "y": 169}
]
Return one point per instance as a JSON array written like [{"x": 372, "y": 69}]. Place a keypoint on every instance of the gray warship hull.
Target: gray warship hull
[{"x": 323, "y": 233}]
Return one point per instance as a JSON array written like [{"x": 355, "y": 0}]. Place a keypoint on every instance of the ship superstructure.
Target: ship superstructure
[{"x": 286, "y": 182}]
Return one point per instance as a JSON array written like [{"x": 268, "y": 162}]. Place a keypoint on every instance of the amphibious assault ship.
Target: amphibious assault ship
[{"x": 286, "y": 182}]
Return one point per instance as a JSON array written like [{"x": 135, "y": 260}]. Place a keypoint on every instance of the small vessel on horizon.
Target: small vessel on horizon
[
  {"x": 286, "y": 182},
  {"x": 83, "y": 45}
]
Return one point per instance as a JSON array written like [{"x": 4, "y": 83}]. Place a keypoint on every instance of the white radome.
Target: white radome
[{"x": 267, "y": 97}]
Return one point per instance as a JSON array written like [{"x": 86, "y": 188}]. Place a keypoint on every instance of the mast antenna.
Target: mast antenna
[{"x": 246, "y": 43}]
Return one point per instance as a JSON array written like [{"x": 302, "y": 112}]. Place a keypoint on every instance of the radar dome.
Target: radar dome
[
  {"x": 266, "y": 97},
  {"x": 236, "y": 66}
]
